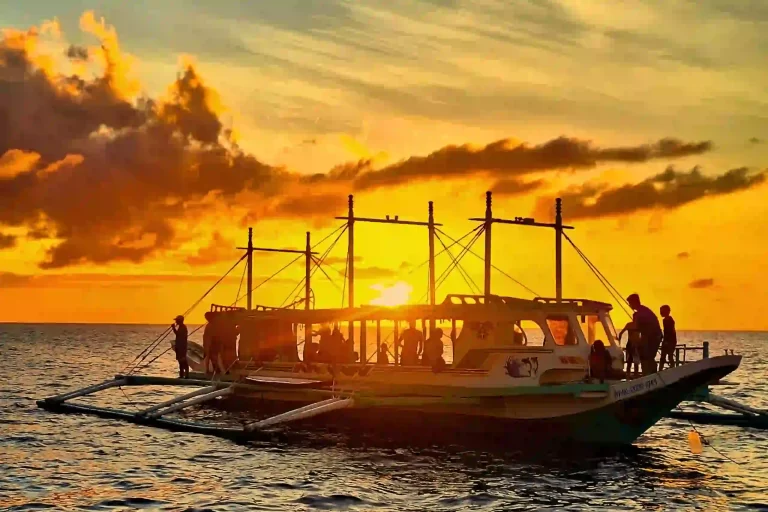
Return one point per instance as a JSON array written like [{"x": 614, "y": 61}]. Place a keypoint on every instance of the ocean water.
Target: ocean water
[{"x": 72, "y": 462}]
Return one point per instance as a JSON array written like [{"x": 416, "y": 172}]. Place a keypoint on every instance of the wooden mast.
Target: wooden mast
[
  {"x": 432, "y": 289},
  {"x": 488, "y": 224},
  {"x": 351, "y": 263},
  {"x": 249, "y": 264},
  {"x": 558, "y": 226},
  {"x": 307, "y": 290},
  {"x": 351, "y": 220},
  {"x": 559, "y": 249}
]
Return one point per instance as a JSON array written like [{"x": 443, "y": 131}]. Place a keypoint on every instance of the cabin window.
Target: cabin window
[
  {"x": 562, "y": 331},
  {"x": 594, "y": 329},
  {"x": 533, "y": 334},
  {"x": 523, "y": 333}
]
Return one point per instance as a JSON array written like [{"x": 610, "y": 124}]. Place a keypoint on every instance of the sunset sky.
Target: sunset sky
[{"x": 140, "y": 139}]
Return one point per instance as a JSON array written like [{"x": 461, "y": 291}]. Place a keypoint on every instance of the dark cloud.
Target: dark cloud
[
  {"x": 512, "y": 187},
  {"x": 75, "y": 52},
  {"x": 667, "y": 190},
  {"x": 702, "y": 283},
  {"x": 683, "y": 255},
  {"x": 7, "y": 241},
  {"x": 113, "y": 174},
  {"x": 108, "y": 175},
  {"x": 502, "y": 159}
]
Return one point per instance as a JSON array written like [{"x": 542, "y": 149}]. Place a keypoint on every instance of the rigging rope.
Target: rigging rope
[
  {"x": 148, "y": 350},
  {"x": 444, "y": 275},
  {"x": 612, "y": 291},
  {"x": 151, "y": 348},
  {"x": 239, "y": 287},
  {"x": 464, "y": 274},
  {"x": 414, "y": 269},
  {"x": 317, "y": 265},
  {"x": 473, "y": 253},
  {"x": 317, "y": 262},
  {"x": 293, "y": 261}
]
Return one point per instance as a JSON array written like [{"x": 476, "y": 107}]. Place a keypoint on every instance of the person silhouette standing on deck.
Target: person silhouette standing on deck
[
  {"x": 670, "y": 337},
  {"x": 180, "y": 347},
  {"x": 412, "y": 341},
  {"x": 647, "y": 323}
]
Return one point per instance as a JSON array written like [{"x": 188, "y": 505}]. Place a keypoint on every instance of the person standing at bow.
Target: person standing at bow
[
  {"x": 180, "y": 346},
  {"x": 648, "y": 324}
]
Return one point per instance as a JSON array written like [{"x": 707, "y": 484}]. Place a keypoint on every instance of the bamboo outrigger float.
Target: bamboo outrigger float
[{"x": 519, "y": 370}]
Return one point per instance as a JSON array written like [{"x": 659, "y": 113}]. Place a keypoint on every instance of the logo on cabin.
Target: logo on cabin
[{"x": 520, "y": 368}]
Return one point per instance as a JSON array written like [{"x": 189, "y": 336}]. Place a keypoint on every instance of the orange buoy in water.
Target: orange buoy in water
[{"x": 694, "y": 441}]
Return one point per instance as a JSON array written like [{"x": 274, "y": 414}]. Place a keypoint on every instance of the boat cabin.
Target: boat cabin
[{"x": 475, "y": 326}]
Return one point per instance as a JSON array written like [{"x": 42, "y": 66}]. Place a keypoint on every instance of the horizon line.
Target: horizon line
[{"x": 151, "y": 324}]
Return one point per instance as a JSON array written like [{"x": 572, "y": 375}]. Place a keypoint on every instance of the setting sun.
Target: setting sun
[{"x": 394, "y": 295}]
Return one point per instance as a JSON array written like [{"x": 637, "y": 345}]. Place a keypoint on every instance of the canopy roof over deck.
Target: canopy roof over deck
[{"x": 461, "y": 307}]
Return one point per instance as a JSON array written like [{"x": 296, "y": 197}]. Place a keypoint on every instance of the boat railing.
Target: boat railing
[
  {"x": 681, "y": 353},
  {"x": 215, "y": 308}
]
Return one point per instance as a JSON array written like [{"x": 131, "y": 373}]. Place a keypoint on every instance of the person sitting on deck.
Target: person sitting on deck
[
  {"x": 338, "y": 346},
  {"x": 599, "y": 362},
  {"x": 382, "y": 357},
  {"x": 350, "y": 356},
  {"x": 433, "y": 349},
  {"x": 324, "y": 349},
  {"x": 633, "y": 349},
  {"x": 180, "y": 347},
  {"x": 412, "y": 342},
  {"x": 670, "y": 338},
  {"x": 310, "y": 351}
]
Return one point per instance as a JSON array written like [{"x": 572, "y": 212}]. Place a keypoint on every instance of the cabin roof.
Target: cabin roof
[{"x": 460, "y": 307}]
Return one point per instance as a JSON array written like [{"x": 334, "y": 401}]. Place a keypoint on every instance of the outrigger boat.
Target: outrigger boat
[{"x": 519, "y": 369}]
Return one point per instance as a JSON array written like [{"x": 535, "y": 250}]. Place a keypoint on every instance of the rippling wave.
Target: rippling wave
[{"x": 58, "y": 461}]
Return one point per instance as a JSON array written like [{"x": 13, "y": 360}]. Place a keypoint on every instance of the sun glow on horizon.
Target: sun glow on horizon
[{"x": 397, "y": 294}]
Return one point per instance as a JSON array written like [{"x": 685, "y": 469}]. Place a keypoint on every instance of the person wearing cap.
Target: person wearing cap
[
  {"x": 651, "y": 335},
  {"x": 180, "y": 347}
]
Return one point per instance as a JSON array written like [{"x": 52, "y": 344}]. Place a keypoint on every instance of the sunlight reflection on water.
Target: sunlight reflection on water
[{"x": 67, "y": 461}]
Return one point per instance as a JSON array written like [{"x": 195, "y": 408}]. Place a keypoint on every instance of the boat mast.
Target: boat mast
[
  {"x": 431, "y": 227},
  {"x": 488, "y": 224},
  {"x": 559, "y": 249},
  {"x": 351, "y": 256},
  {"x": 351, "y": 220},
  {"x": 558, "y": 226},
  {"x": 249, "y": 263},
  {"x": 307, "y": 290}
]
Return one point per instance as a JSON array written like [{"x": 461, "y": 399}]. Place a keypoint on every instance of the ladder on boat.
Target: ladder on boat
[{"x": 156, "y": 415}]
